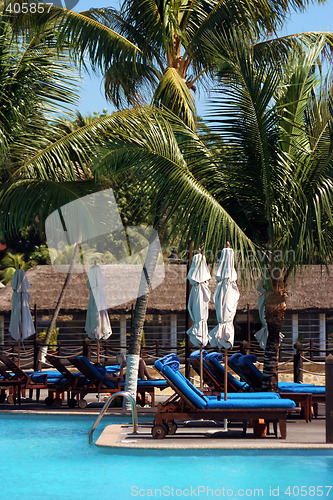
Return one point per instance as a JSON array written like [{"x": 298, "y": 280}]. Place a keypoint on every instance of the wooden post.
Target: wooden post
[
  {"x": 36, "y": 354},
  {"x": 87, "y": 348},
  {"x": 201, "y": 368},
  {"x": 123, "y": 333},
  {"x": 173, "y": 332},
  {"x": 329, "y": 398},
  {"x": 311, "y": 349},
  {"x": 245, "y": 347},
  {"x": 248, "y": 323},
  {"x": 298, "y": 363}
]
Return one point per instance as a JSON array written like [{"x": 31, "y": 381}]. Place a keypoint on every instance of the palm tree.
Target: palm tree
[
  {"x": 160, "y": 52},
  {"x": 278, "y": 120},
  {"x": 273, "y": 185},
  {"x": 9, "y": 263},
  {"x": 35, "y": 85},
  {"x": 154, "y": 51},
  {"x": 162, "y": 48}
]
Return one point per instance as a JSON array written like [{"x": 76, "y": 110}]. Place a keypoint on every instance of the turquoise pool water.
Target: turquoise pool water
[{"x": 49, "y": 458}]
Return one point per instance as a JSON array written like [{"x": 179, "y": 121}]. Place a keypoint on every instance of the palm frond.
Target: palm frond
[{"x": 172, "y": 93}]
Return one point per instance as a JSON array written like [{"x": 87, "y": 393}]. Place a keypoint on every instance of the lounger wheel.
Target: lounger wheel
[
  {"x": 159, "y": 431},
  {"x": 72, "y": 402},
  {"x": 48, "y": 401},
  {"x": 10, "y": 399},
  {"x": 57, "y": 402},
  {"x": 172, "y": 427},
  {"x": 82, "y": 403}
]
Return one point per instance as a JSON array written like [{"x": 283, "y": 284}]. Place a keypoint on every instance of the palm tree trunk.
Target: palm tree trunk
[
  {"x": 275, "y": 307},
  {"x": 56, "y": 311},
  {"x": 139, "y": 319}
]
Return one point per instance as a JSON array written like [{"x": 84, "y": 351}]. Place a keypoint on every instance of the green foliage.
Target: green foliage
[
  {"x": 158, "y": 52},
  {"x": 41, "y": 255},
  {"x": 53, "y": 342},
  {"x": 9, "y": 263},
  {"x": 278, "y": 118}
]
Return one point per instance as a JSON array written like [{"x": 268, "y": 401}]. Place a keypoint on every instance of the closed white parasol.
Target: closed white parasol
[
  {"x": 262, "y": 334},
  {"x": 97, "y": 320},
  {"x": 225, "y": 299},
  {"x": 21, "y": 325},
  {"x": 198, "y": 303}
]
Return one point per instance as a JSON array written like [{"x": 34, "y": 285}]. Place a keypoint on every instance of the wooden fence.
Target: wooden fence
[{"x": 295, "y": 359}]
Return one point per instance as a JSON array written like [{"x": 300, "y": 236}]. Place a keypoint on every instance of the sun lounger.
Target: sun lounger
[
  {"x": 99, "y": 383},
  {"x": 148, "y": 386},
  {"x": 17, "y": 379},
  {"x": 188, "y": 403},
  {"x": 63, "y": 380},
  {"x": 213, "y": 372},
  {"x": 307, "y": 395},
  {"x": 213, "y": 366},
  {"x": 93, "y": 380}
]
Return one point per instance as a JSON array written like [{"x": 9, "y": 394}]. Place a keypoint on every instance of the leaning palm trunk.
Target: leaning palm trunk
[
  {"x": 53, "y": 321},
  {"x": 139, "y": 319},
  {"x": 275, "y": 307}
]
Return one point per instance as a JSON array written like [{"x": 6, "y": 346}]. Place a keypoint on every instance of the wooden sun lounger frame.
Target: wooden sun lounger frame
[
  {"x": 97, "y": 386},
  {"x": 306, "y": 400},
  {"x": 57, "y": 390},
  {"x": 213, "y": 380},
  {"x": 179, "y": 407},
  {"x": 94, "y": 385},
  {"x": 19, "y": 380}
]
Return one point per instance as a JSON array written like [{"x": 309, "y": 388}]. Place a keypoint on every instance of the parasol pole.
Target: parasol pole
[
  {"x": 225, "y": 374},
  {"x": 98, "y": 351},
  {"x": 201, "y": 369}
]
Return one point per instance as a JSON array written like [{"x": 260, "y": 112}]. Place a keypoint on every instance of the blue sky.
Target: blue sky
[{"x": 316, "y": 18}]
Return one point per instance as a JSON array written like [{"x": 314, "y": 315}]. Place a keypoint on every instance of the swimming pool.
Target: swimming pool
[{"x": 48, "y": 457}]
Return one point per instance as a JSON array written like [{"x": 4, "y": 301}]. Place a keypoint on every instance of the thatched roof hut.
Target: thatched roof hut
[{"x": 312, "y": 291}]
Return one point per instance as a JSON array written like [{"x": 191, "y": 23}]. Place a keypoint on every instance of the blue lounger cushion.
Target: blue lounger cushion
[
  {"x": 251, "y": 395},
  {"x": 113, "y": 368},
  {"x": 170, "y": 360},
  {"x": 160, "y": 383},
  {"x": 215, "y": 360},
  {"x": 38, "y": 379},
  {"x": 248, "y": 360},
  {"x": 196, "y": 354},
  {"x": 53, "y": 376},
  {"x": 233, "y": 362},
  {"x": 98, "y": 372},
  {"x": 202, "y": 402},
  {"x": 301, "y": 388},
  {"x": 251, "y": 404},
  {"x": 217, "y": 356},
  {"x": 193, "y": 394}
]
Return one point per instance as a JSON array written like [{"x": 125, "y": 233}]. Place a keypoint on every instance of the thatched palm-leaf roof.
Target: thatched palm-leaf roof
[{"x": 311, "y": 291}]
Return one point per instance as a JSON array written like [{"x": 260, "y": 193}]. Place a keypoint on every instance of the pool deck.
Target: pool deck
[{"x": 200, "y": 435}]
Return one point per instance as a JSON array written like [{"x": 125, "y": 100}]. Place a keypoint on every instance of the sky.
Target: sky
[{"x": 316, "y": 18}]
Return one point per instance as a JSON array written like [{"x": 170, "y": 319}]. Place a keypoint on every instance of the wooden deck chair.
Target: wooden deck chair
[{"x": 188, "y": 403}]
